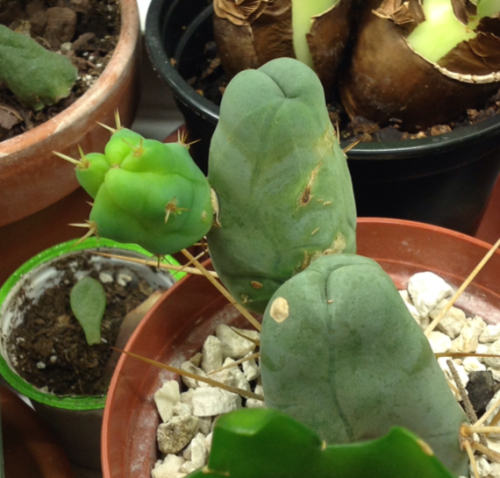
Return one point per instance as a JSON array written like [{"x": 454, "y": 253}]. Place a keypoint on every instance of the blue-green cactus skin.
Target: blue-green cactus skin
[
  {"x": 344, "y": 356},
  {"x": 266, "y": 443},
  {"x": 284, "y": 190}
]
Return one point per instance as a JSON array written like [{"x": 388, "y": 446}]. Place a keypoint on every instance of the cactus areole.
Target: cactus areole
[{"x": 284, "y": 189}]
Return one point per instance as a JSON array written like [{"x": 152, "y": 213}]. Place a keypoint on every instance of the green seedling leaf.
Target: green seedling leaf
[
  {"x": 88, "y": 302},
  {"x": 263, "y": 443}
]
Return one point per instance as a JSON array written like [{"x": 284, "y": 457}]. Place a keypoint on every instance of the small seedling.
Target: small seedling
[{"x": 88, "y": 303}]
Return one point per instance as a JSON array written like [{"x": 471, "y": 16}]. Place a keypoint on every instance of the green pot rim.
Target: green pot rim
[{"x": 18, "y": 383}]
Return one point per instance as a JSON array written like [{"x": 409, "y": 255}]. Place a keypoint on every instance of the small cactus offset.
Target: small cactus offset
[
  {"x": 341, "y": 353},
  {"x": 36, "y": 76},
  {"x": 284, "y": 190},
  {"x": 146, "y": 192},
  {"x": 266, "y": 443}
]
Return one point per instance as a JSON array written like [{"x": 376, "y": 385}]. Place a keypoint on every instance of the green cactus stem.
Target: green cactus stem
[
  {"x": 88, "y": 303},
  {"x": 267, "y": 443},
  {"x": 146, "y": 192},
  {"x": 341, "y": 353},
  {"x": 284, "y": 190},
  {"x": 36, "y": 76}
]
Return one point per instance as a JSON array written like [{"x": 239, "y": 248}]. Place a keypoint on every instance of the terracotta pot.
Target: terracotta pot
[
  {"x": 32, "y": 178},
  {"x": 177, "y": 326},
  {"x": 30, "y": 449},
  {"x": 75, "y": 419}
]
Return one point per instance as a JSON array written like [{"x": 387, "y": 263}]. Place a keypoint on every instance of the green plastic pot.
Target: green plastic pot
[{"x": 75, "y": 419}]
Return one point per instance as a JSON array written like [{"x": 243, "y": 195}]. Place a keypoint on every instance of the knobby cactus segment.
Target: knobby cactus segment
[
  {"x": 36, "y": 76},
  {"x": 258, "y": 443},
  {"x": 341, "y": 353},
  {"x": 147, "y": 192},
  {"x": 284, "y": 189}
]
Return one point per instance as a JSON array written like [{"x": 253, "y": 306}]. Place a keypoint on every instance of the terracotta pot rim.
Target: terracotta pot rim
[{"x": 119, "y": 63}]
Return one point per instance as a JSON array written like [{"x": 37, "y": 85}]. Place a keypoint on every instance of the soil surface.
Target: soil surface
[
  {"x": 86, "y": 31},
  {"x": 211, "y": 82},
  {"x": 50, "y": 346}
]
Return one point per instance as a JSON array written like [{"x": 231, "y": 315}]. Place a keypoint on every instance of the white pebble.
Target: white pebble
[
  {"x": 462, "y": 374},
  {"x": 427, "y": 290},
  {"x": 189, "y": 367},
  {"x": 166, "y": 398},
  {"x": 212, "y": 354},
  {"x": 472, "y": 364},
  {"x": 251, "y": 369},
  {"x": 439, "y": 342},
  {"x": 198, "y": 451},
  {"x": 483, "y": 466},
  {"x": 40, "y": 365},
  {"x": 234, "y": 345},
  {"x": 494, "y": 349},
  {"x": 490, "y": 334},
  {"x": 182, "y": 409},
  {"x": 174, "y": 435},
  {"x": 105, "y": 277},
  {"x": 468, "y": 339},
  {"x": 453, "y": 321},
  {"x": 168, "y": 468},
  {"x": 211, "y": 401},
  {"x": 231, "y": 376},
  {"x": 495, "y": 470},
  {"x": 123, "y": 279}
]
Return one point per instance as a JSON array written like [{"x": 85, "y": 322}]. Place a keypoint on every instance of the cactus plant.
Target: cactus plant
[
  {"x": 258, "y": 443},
  {"x": 146, "y": 192},
  {"x": 36, "y": 76},
  {"x": 285, "y": 206},
  {"x": 354, "y": 391},
  {"x": 284, "y": 190}
]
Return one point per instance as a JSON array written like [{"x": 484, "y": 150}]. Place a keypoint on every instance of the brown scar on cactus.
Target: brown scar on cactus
[{"x": 306, "y": 195}]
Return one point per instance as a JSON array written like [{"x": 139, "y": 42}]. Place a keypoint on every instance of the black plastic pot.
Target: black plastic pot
[{"x": 444, "y": 180}]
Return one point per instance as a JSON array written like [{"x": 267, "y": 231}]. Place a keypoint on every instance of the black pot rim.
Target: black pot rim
[{"x": 184, "y": 93}]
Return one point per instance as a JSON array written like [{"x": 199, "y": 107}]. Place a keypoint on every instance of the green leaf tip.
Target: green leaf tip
[
  {"x": 267, "y": 443},
  {"x": 88, "y": 302}
]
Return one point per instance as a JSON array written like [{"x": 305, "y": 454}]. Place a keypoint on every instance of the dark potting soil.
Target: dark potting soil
[
  {"x": 88, "y": 39},
  {"x": 211, "y": 82},
  {"x": 50, "y": 346}
]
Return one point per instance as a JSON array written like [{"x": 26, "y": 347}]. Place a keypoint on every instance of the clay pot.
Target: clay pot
[
  {"x": 30, "y": 449},
  {"x": 32, "y": 178},
  {"x": 75, "y": 419},
  {"x": 175, "y": 329}
]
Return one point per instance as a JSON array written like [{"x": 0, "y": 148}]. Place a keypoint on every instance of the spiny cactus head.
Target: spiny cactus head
[{"x": 146, "y": 192}]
